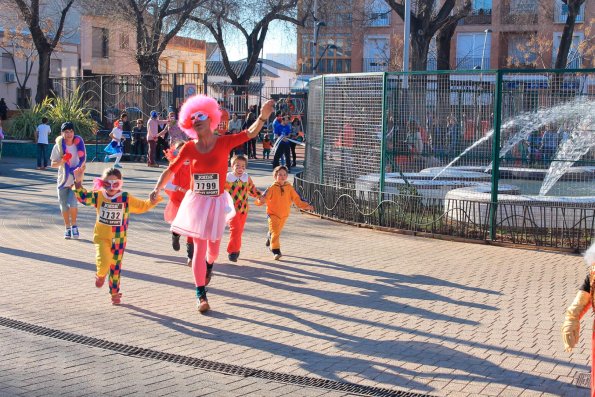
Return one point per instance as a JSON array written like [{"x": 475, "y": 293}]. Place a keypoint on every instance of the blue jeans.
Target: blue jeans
[{"x": 42, "y": 154}]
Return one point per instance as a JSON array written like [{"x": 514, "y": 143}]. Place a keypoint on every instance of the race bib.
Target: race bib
[
  {"x": 111, "y": 214},
  {"x": 206, "y": 184}
]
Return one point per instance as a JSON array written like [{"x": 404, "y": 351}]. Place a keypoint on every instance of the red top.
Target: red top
[{"x": 214, "y": 161}]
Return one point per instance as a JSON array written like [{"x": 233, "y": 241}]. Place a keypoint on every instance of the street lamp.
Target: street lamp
[
  {"x": 332, "y": 47},
  {"x": 317, "y": 27},
  {"x": 259, "y": 62},
  {"x": 485, "y": 39}
]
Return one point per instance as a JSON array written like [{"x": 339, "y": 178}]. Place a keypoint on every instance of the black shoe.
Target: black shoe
[
  {"x": 277, "y": 253},
  {"x": 189, "y": 250},
  {"x": 268, "y": 242},
  {"x": 175, "y": 241},
  {"x": 234, "y": 256},
  {"x": 209, "y": 272}
]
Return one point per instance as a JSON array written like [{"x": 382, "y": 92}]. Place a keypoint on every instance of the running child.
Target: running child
[
  {"x": 176, "y": 189},
  {"x": 113, "y": 208},
  {"x": 267, "y": 145},
  {"x": 114, "y": 148},
  {"x": 239, "y": 185},
  {"x": 278, "y": 198}
]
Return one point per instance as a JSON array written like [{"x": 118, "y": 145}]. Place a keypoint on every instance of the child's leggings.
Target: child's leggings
[
  {"x": 204, "y": 250},
  {"x": 109, "y": 254},
  {"x": 236, "y": 229},
  {"x": 275, "y": 226}
]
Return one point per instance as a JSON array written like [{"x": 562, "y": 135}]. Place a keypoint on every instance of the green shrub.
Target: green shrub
[{"x": 58, "y": 110}]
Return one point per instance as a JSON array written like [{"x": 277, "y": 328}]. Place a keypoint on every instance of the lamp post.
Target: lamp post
[
  {"x": 317, "y": 27},
  {"x": 483, "y": 52},
  {"x": 332, "y": 47},
  {"x": 259, "y": 62}
]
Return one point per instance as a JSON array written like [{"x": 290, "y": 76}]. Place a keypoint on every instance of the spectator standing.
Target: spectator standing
[
  {"x": 549, "y": 144},
  {"x": 282, "y": 132},
  {"x": 139, "y": 141},
  {"x": 296, "y": 130},
  {"x": 3, "y": 110},
  {"x": 173, "y": 131},
  {"x": 250, "y": 119},
  {"x": 454, "y": 135},
  {"x": 42, "y": 133},
  {"x": 152, "y": 135},
  {"x": 126, "y": 126}
]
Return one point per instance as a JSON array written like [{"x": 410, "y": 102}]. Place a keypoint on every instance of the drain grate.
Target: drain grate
[
  {"x": 228, "y": 369},
  {"x": 582, "y": 379}
]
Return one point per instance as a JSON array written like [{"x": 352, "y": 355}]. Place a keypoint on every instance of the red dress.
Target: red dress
[{"x": 206, "y": 207}]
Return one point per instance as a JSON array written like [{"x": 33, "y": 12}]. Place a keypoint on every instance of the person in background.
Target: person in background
[
  {"x": 173, "y": 131},
  {"x": 267, "y": 145},
  {"x": 282, "y": 133},
  {"x": 152, "y": 135},
  {"x": 3, "y": 109},
  {"x": 139, "y": 141},
  {"x": 251, "y": 144},
  {"x": 296, "y": 130},
  {"x": 68, "y": 155},
  {"x": 42, "y": 133}
]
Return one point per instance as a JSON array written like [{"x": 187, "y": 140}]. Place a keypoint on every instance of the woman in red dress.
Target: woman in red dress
[{"x": 206, "y": 207}]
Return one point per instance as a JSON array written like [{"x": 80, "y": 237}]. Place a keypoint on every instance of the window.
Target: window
[
  {"x": 55, "y": 67},
  {"x": 181, "y": 67},
  {"x": 378, "y": 13},
  {"x": 561, "y": 12},
  {"x": 517, "y": 53},
  {"x": 124, "y": 41},
  {"x": 163, "y": 66},
  {"x": 482, "y": 7},
  {"x": 574, "y": 60},
  {"x": 473, "y": 50},
  {"x": 376, "y": 53},
  {"x": 100, "y": 43},
  {"x": 6, "y": 61},
  {"x": 196, "y": 67},
  {"x": 523, "y": 6}
]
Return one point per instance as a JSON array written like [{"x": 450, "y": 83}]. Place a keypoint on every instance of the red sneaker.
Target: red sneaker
[
  {"x": 116, "y": 298},
  {"x": 99, "y": 281}
]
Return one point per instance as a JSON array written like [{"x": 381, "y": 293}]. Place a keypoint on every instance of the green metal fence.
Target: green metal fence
[{"x": 495, "y": 155}]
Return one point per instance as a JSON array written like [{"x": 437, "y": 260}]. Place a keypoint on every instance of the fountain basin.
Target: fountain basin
[
  {"x": 472, "y": 205},
  {"x": 583, "y": 173}
]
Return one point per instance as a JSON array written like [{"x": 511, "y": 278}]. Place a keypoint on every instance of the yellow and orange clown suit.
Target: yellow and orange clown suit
[
  {"x": 278, "y": 199},
  {"x": 581, "y": 304},
  {"x": 239, "y": 188},
  {"x": 109, "y": 234}
]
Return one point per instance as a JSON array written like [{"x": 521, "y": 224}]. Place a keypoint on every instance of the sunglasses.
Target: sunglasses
[
  {"x": 113, "y": 184},
  {"x": 199, "y": 116}
]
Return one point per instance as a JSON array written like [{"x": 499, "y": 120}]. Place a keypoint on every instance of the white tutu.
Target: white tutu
[{"x": 203, "y": 217}]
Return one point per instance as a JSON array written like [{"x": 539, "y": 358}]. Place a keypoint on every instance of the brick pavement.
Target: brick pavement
[{"x": 344, "y": 304}]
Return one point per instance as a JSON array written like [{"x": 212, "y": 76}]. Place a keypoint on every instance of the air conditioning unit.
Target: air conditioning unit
[{"x": 9, "y": 77}]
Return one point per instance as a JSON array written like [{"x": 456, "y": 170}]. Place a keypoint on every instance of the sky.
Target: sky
[{"x": 281, "y": 38}]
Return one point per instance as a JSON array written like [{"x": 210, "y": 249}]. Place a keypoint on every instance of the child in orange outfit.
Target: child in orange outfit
[
  {"x": 239, "y": 185},
  {"x": 176, "y": 190},
  {"x": 278, "y": 199}
]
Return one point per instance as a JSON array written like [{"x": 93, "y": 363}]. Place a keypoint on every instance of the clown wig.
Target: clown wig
[
  {"x": 590, "y": 255},
  {"x": 198, "y": 103}
]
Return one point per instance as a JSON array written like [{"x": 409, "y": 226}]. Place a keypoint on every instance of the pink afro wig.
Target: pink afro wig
[{"x": 198, "y": 103}]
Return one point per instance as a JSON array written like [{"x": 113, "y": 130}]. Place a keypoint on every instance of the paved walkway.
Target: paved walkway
[{"x": 347, "y": 305}]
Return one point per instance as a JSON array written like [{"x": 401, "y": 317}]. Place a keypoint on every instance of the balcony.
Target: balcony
[
  {"x": 472, "y": 62},
  {"x": 375, "y": 65},
  {"x": 479, "y": 16},
  {"x": 561, "y": 13},
  {"x": 519, "y": 12}
]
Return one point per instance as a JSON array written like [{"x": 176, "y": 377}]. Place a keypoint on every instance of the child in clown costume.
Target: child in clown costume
[
  {"x": 207, "y": 207},
  {"x": 278, "y": 199},
  {"x": 239, "y": 185},
  {"x": 176, "y": 190},
  {"x": 581, "y": 304},
  {"x": 109, "y": 236}
]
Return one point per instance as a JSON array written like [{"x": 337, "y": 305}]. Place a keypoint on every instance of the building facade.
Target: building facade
[{"x": 367, "y": 36}]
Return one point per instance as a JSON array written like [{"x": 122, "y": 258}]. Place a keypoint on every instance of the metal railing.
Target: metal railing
[{"x": 503, "y": 156}]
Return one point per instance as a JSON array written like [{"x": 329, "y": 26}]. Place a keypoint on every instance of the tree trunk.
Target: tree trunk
[
  {"x": 150, "y": 83},
  {"x": 443, "y": 39},
  {"x": 566, "y": 39},
  {"x": 43, "y": 78},
  {"x": 420, "y": 46}
]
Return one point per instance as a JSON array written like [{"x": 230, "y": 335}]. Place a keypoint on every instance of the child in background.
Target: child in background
[
  {"x": 278, "y": 198},
  {"x": 267, "y": 145},
  {"x": 239, "y": 185},
  {"x": 109, "y": 236},
  {"x": 176, "y": 190},
  {"x": 114, "y": 148},
  {"x": 581, "y": 305}
]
